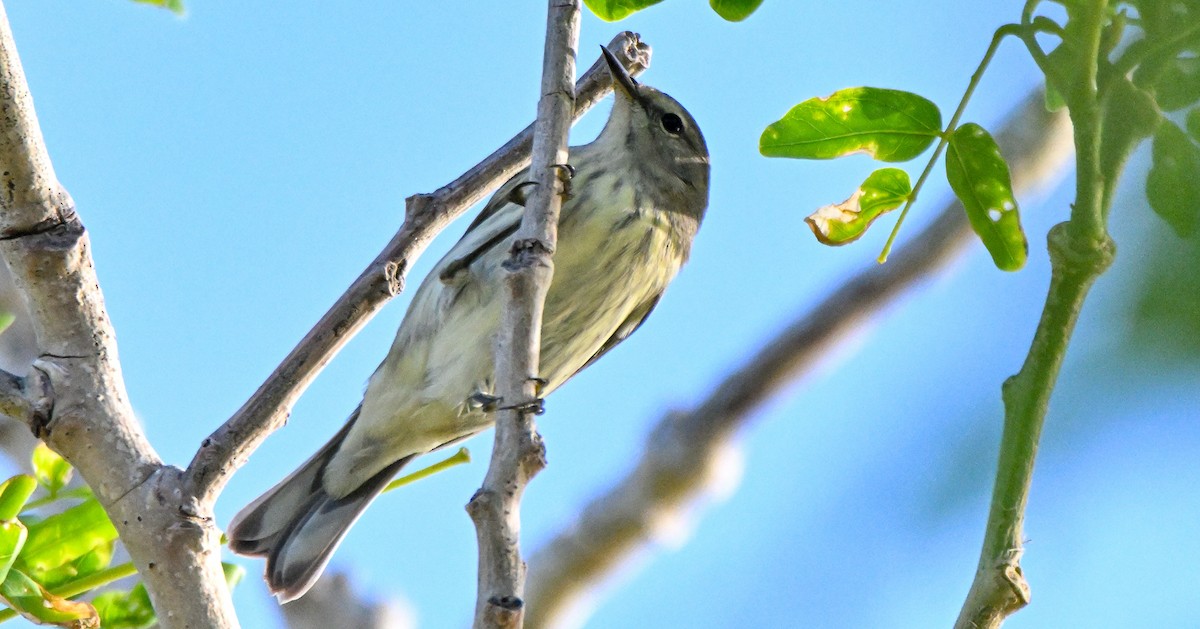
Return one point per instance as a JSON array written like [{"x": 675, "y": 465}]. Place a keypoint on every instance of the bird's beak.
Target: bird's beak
[{"x": 621, "y": 79}]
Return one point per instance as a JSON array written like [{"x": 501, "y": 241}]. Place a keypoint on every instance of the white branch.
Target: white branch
[
  {"x": 685, "y": 451},
  {"x": 518, "y": 453},
  {"x": 75, "y": 394}
]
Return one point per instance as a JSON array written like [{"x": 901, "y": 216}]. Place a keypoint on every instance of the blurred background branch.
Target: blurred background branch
[{"x": 687, "y": 453}]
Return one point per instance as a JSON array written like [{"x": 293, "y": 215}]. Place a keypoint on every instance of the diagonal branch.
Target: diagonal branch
[
  {"x": 226, "y": 449},
  {"x": 519, "y": 454},
  {"x": 686, "y": 450}
]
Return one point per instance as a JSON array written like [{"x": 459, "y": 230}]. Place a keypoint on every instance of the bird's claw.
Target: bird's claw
[
  {"x": 536, "y": 406},
  {"x": 566, "y": 173}
]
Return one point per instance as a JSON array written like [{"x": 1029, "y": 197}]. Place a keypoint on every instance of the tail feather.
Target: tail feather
[{"x": 296, "y": 525}]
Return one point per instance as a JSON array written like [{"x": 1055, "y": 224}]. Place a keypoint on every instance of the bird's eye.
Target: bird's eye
[{"x": 672, "y": 124}]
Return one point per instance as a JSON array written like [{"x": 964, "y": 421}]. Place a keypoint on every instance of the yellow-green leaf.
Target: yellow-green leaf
[
  {"x": 734, "y": 10},
  {"x": 613, "y": 10},
  {"x": 14, "y": 493},
  {"x": 65, "y": 537},
  {"x": 12, "y": 538},
  {"x": 979, "y": 177},
  {"x": 51, "y": 470},
  {"x": 889, "y": 125},
  {"x": 883, "y": 191}
]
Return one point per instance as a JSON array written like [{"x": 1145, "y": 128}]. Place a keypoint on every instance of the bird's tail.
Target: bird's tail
[{"x": 296, "y": 525}]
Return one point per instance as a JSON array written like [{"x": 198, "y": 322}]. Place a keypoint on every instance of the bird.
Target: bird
[{"x": 636, "y": 200}]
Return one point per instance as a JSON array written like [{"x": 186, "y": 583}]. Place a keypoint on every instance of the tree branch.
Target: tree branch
[
  {"x": 75, "y": 391},
  {"x": 333, "y": 603},
  {"x": 684, "y": 452},
  {"x": 518, "y": 453},
  {"x": 227, "y": 449}
]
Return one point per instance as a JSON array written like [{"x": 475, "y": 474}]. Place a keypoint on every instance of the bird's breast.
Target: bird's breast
[{"x": 614, "y": 253}]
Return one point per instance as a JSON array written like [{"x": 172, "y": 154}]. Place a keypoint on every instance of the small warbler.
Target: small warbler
[{"x": 636, "y": 201}]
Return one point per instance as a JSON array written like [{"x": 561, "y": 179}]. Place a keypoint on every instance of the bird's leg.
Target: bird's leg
[
  {"x": 566, "y": 173},
  {"x": 481, "y": 401}
]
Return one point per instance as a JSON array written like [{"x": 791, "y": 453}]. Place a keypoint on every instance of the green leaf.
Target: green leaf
[
  {"x": 233, "y": 574},
  {"x": 175, "y": 6},
  {"x": 734, "y": 10},
  {"x": 65, "y": 537},
  {"x": 51, "y": 470},
  {"x": 91, "y": 562},
  {"x": 1193, "y": 124},
  {"x": 6, "y": 319},
  {"x": 1173, "y": 185},
  {"x": 883, "y": 191},
  {"x": 14, "y": 493},
  {"x": 1178, "y": 84},
  {"x": 979, "y": 177},
  {"x": 28, "y": 598},
  {"x": 12, "y": 538},
  {"x": 889, "y": 125},
  {"x": 613, "y": 10},
  {"x": 126, "y": 610},
  {"x": 1129, "y": 116}
]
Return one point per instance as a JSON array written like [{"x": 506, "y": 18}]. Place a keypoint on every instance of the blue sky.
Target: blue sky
[{"x": 239, "y": 167}]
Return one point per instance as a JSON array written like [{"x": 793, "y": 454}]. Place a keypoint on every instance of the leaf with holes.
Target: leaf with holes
[
  {"x": 979, "y": 177},
  {"x": 734, "y": 10},
  {"x": 1173, "y": 184},
  {"x": 613, "y": 10},
  {"x": 883, "y": 191},
  {"x": 889, "y": 125}
]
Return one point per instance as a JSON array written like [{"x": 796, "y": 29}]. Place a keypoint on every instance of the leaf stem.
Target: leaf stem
[
  {"x": 997, "y": 37},
  {"x": 84, "y": 493},
  {"x": 462, "y": 456}
]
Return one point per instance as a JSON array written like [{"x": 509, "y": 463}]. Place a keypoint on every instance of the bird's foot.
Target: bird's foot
[
  {"x": 566, "y": 173},
  {"x": 536, "y": 406}
]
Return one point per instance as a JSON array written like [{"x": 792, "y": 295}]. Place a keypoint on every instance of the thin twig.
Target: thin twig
[
  {"x": 684, "y": 452},
  {"x": 227, "y": 449},
  {"x": 518, "y": 453}
]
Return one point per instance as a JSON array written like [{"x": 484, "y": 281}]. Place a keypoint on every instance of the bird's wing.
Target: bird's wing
[
  {"x": 498, "y": 220},
  {"x": 627, "y": 327}
]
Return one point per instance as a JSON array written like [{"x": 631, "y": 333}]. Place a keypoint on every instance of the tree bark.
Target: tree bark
[{"x": 518, "y": 453}]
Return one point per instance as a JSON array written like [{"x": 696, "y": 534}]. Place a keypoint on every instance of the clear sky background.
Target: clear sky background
[{"x": 239, "y": 167}]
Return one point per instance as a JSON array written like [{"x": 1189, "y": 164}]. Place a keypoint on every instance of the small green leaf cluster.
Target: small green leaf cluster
[
  {"x": 45, "y": 561},
  {"x": 897, "y": 126},
  {"x": 1146, "y": 83},
  {"x": 613, "y": 10}
]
